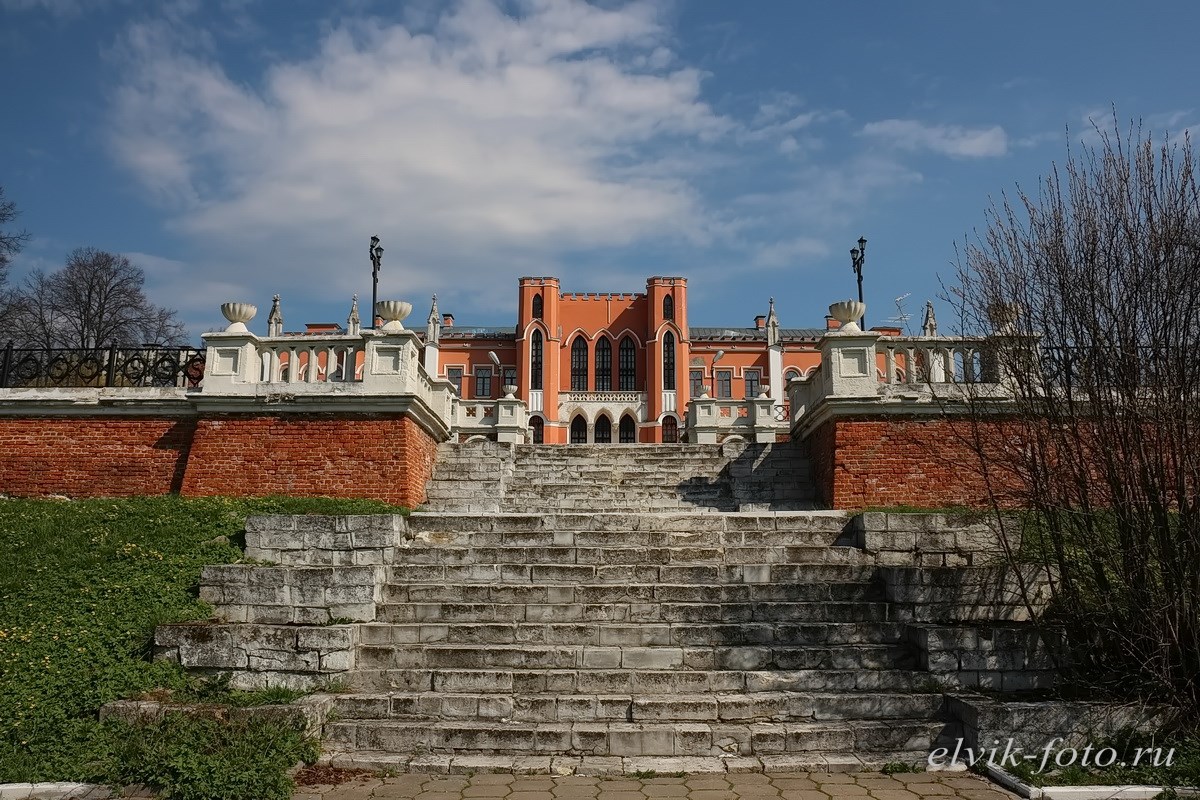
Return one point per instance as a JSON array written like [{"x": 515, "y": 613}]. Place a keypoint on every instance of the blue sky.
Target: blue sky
[{"x": 235, "y": 149}]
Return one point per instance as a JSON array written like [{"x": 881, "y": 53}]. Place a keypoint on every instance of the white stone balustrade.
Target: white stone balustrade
[
  {"x": 711, "y": 421},
  {"x": 373, "y": 371}
]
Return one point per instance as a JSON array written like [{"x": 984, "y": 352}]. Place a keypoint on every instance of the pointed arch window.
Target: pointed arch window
[
  {"x": 627, "y": 368},
  {"x": 538, "y": 306},
  {"x": 603, "y": 432},
  {"x": 579, "y": 430},
  {"x": 669, "y": 361},
  {"x": 669, "y": 307},
  {"x": 670, "y": 429},
  {"x": 535, "y": 361},
  {"x": 538, "y": 428},
  {"x": 579, "y": 364},
  {"x": 627, "y": 430},
  {"x": 603, "y": 365}
]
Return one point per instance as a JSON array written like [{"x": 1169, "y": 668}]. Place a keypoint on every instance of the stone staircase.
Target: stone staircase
[
  {"x": 734, "y": 476},
  {"x": 645, "y": 636},
  {"x": 606, "y": 609}
]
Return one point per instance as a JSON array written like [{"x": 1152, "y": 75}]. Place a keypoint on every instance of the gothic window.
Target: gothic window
[
  {"x": 579, "y": 430},
  {"x": 627, "y": 368},
  {"x": 535, "y": 361},
  {"x": 579, "y": 365},
  {"x": 724, "y": 384},
  {"x": 670, "y": 430},
  {"x": 669, "y": 307},
  {"x": 510, "y": 376},
  {"x": 538, "y": 428},
  {"x": 537, "y": 306},
  {"x": 669, "y": 361},
  {"x": 483, "y": 382},
  {"x": 628, "y": 430},
  {"x": 753, "y": 383},
  {"x": 791, "y": 375},
  {"x": 696, "y": 377},
  {"x": 455, "y": 376},
  {"x": 603, "y": 433},
  {"x": 603, "y": 365}
]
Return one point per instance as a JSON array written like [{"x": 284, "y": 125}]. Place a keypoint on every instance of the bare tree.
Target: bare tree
[
  {"x": 11, "y": 243},
  {"x": 1094, "y": 284},
  {"x": 95, "y": 300}
]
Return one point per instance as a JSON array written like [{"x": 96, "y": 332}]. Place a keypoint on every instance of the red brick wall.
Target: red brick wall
[
  {"x": 101, "y": 456},
  {"x": 861, "y": 463},
  {"x": 380, "y": 456}
]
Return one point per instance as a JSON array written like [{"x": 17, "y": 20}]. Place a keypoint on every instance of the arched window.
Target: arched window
[
  {"x": 538, "y": 428},
  {"x": 603, "y": 432},
  {"x": 627, "y": 368},
  {"x": 628, "y": 430},
  {"x": 670, "y": 429},
  {"x": 791, "y": 375},
  {"x": 579, "y": 430},
  {"x": 603, "y": 365},
  {"x": 537, "y": 306},
  {"x": 579, "y": 353},
  {"x": 669, "y": 361},
  {"x": 669, "y": 307},
  {"x": 535, "y": 361}
]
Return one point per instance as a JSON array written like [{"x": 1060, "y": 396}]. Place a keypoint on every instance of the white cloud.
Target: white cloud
[
  {"x": 955, "y": 141},
  {"x": 485, "y": 142}
]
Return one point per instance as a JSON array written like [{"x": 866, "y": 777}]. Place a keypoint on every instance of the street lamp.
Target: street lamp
[
  {"x": 376, "y": 260},
  {"x": 717, "y": 357},
  {"x": 857, "y": 256}
]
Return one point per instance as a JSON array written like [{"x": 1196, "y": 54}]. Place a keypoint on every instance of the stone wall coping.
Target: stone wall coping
[
  {"x": 117, "y": 401},
  {"x": 901, "y": 401}
]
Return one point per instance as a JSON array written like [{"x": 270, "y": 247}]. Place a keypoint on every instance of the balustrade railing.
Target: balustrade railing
[
  {"x": 110, "y": 367},
  {"x": 321, "y": 359},
  {"x": 918, "y": 360}
]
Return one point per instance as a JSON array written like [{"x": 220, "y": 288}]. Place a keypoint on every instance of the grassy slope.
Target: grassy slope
[{"x": 82, "y": 585}]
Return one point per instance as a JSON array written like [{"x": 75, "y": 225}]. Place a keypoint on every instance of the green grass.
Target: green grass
[
  {"x": 82, "y": 586},
  {"x": 1183, "y": 771}
]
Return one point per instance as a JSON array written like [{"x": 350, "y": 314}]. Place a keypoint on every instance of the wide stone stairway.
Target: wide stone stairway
[
  {"x": 595, "y": 609},
  {"x": 605, "y": 477}
]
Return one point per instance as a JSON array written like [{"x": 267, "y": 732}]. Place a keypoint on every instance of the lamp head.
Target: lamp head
[
  {"x": 374, "y": 242},
  {"x": 495, "y": 358},
  {"x": 719, "y": 355}
]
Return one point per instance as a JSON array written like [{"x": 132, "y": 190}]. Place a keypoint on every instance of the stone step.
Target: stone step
[
  {"x": 642, "y": 681},
  {"x": 831, "y": 611},
  {"x": 631, "y": 738},
  {"x": 646, "y": 520},
  {"x": 541, "y": 594},
  {"x": 607, "y": 634},
  {"x": 712, "y": 708},
  {"x": 612, "y": 555},
  {"x": 560, "y": 765},
  {"x": 442, "y": 655},
  {"x": 698, "y": 537},
  {"x": 625, "y": 574}
]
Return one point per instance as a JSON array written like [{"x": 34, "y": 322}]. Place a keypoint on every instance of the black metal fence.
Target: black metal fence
[{"x": 108, "y": 367}]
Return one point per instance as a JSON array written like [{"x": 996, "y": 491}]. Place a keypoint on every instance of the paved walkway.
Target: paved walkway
[{"x": 751, "y": 786}]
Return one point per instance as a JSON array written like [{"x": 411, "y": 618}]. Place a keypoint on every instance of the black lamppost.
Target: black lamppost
[
  {"x": 857, "y": 256},
  {"x": 376, "y": 260}
]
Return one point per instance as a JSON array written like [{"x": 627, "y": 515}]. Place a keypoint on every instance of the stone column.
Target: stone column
[
  {"x": 512, "y": 418},
  {"x": 702, "y": 420},
  {"x": 762, "y": 417}
]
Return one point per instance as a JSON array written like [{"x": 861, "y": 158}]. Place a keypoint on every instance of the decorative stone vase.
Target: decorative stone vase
[
  {"x": 238, "y": 315},
  {"x": 510, "y": 389},
  {"x": 848, "y": 313},
  {"x": 1003, "y": 317},
  {"x": 393, "y": 313}
]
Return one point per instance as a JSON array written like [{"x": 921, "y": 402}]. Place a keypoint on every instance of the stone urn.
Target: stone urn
[
  {"x": 238, "y": 315},
  {"x": 510, "y": 389},
  {"x": 848, "y": 313},
  {"x": 1003, "y": 317},
  {"x": 393, "y": 313}
]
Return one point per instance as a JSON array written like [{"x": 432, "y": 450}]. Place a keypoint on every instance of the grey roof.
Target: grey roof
[
  {"x": 751, "y": 334},
  {"x": 483, "y": 332}
]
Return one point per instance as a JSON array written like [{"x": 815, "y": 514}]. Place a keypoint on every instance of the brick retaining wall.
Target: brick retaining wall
[
  {"x": 378, "y": 456},
  {"x": 921, "y": 461},
  {"x": 93, "y": 456}
]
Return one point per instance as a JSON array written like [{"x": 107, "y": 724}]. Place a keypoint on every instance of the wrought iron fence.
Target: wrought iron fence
[{"x": 114, "y": 366}]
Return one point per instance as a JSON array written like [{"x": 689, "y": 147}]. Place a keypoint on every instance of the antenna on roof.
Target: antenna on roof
[{"x": 902, "y": 317}]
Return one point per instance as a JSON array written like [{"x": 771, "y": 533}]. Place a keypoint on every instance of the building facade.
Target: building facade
[{"x": 616, "y": 367}]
